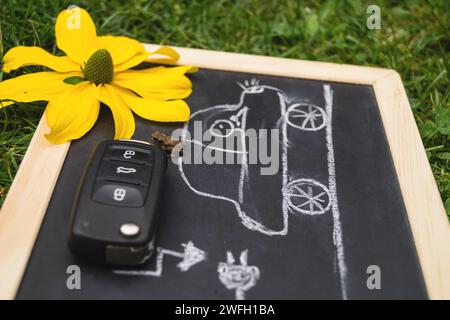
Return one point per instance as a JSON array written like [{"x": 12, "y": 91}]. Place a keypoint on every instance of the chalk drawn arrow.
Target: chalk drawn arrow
[{"x": 190, "y": 257}]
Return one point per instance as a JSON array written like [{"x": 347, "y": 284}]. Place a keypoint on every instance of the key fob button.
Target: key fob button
[
  {"x": 129, "y": 230},
  {"x": 128, "y": 153},
  {"x": 124, "y": 171},
  {"x": 118, "y": 194}
]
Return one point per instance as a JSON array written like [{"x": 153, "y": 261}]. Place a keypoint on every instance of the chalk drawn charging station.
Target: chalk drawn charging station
[{"x": 353, "y": 190}]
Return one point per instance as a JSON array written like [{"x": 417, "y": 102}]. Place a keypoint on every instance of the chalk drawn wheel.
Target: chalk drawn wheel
[
  {"x": 307, "y": 196},
  {"x": 306, "y": 117}
]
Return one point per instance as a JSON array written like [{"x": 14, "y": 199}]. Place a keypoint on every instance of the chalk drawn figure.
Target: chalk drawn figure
[
  {"x": 190, "y": 257},
  {"x": 290, "y": 194},
  {"x": 239, "y": 277}
]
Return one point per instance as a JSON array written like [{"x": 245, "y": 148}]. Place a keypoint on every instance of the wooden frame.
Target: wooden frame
[{"x": 24, "y": 208}]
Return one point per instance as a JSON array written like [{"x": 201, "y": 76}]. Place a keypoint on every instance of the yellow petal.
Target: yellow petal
[
  {"x": 157, "y": 83},
  {"x": 123, "y": 117},
  {"x": 35, "y": 86},
  {"x": 171, "y": 55},
  {"x": 26, "y": 56},
  {"x": 73, "y": 113},
  {"x": 5, "y": 103},
  {"x": 76, "y": 34},
  {"x": 162, "y": 70},
  {"x": 122, "y": 49},
  {"x": 134, "y": 61},
  {"x": 157, "y": 110}
]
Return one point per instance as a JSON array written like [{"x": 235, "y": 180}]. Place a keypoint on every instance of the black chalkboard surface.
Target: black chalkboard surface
[{"x": 332, "y": 209}]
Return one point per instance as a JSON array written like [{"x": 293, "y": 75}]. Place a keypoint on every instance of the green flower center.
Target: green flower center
[{"x": 99, "y": 67}]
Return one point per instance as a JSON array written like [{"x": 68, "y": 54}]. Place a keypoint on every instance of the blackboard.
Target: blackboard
[{"x": 290, "y": 252}]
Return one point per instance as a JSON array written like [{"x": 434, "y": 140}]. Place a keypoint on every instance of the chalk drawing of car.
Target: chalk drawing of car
[{"x": 287, "y": 195}]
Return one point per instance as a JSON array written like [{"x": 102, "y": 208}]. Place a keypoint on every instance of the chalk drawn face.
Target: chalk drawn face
[
  {"x": 237, "y": 276},
  {"x": 240, "y": 277}
]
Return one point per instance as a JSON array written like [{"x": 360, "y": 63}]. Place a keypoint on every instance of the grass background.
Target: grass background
[{"x": 414, "y": 40}]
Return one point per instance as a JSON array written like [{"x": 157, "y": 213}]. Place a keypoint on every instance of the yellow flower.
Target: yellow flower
[{"x": 96, "y": 69}]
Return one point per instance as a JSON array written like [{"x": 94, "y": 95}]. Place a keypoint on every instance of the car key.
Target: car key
[{"x": 115, "y": 213}]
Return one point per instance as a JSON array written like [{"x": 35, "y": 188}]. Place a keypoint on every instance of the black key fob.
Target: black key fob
[{"x": 115, "y": 213}]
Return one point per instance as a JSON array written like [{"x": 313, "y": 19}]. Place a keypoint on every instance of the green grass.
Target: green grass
[{"x": 414, "y": 40}]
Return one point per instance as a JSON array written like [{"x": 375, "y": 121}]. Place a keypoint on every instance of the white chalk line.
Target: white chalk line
[
  {"x": 159, "y": 265},
  {"x": 190, "y": 256},
  {"x": 337, "y": 229},
  {"x": 212, "y": 147},
  {"x": 244, "y": 165}
]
